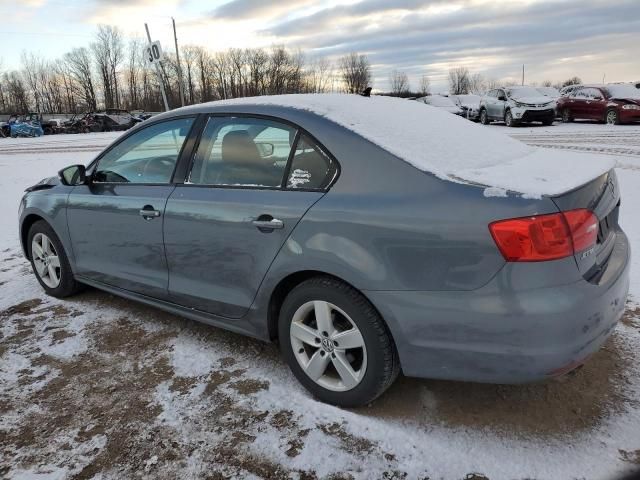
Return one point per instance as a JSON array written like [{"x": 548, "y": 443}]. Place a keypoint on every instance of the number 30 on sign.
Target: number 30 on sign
[{"x": 153, "y": 53}]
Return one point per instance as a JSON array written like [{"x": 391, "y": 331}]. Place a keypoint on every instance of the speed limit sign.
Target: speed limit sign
[{"x": 153, "y": 53}]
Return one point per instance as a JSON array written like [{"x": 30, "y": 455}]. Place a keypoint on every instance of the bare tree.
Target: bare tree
[
  {"x": 108, "y": 54},
  {"x": 572, "y": 81},
  {"x": 78, "y": 63},
  {"x": 547, "y": 83},
  {"x": 425, "y": 86},
  {"x": 477, "y": 84},
  {"x": 459, "y": 81},
  {"x": 399, "y": 83},
  {"x": 319, "y": 76},
  {"x": 355, "y": 71}
]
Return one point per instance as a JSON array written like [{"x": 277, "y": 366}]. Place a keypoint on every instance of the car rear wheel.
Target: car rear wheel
[
  {"x": 566, "y": 116},
  {"x": 484, "y": 118},
  {"x": 336, "y": 343},
  {"x": 50, "y": 262},
  {"x": 612, "y": 117}
]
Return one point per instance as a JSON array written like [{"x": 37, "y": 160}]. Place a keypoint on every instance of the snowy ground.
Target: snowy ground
[{"x": 97, "y": 386}]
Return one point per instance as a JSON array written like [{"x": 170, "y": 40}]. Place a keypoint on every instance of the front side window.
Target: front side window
[
  {"x": 248, "y": 152},
  {"x": 310, "y": 168},
  {"x": 147, "y": 156}
]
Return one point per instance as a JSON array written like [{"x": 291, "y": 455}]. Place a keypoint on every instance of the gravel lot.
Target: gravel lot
[{"x": 100, "y": 387}]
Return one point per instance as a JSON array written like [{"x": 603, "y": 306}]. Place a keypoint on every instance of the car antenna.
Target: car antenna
[{"x": 367, "y": 92}]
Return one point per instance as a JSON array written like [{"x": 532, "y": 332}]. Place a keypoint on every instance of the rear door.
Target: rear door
[
  {"x": 578, "y": 104},
  {"x": 596, "y": 104},
  {"x": 115, "y": 222},
  {"x": 250, "y": 182}
]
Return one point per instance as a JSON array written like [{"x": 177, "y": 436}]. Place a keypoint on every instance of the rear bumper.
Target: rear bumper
[{"x": 502, "y": 332}]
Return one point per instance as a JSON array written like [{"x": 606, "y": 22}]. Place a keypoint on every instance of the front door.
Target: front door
[
  {"x": 115, "y": 222},
  {"x": 226, "y": 224}
]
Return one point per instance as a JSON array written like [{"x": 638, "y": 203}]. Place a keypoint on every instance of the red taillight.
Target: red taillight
[{"x": 545, "y": 237}]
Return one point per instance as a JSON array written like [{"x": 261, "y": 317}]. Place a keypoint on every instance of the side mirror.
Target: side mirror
[
  {"x": 73, "y": 175},
  {"x": 599, "y": 98},
  {"x": 265, "y": 149}
]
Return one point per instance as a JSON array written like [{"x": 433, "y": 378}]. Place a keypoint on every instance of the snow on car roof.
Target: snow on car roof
[{"x": 448, "y": 146}]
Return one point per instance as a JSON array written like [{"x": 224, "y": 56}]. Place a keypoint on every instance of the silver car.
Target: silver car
[
  {"x": 516, "y": 105},
  {"x": 273, "y": 219}
]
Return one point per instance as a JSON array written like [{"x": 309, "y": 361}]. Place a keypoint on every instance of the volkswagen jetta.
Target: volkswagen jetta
[{"x": 367, "y": 236}]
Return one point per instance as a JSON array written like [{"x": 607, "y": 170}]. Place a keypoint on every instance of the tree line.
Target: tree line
[{"x": 111, "y": 73}]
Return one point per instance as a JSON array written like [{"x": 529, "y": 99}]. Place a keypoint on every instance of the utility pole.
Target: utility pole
[
  {"x": 164, "y": 94},
  {"x": 181, "y": 87},
  {"x": 523, "y": 74}
]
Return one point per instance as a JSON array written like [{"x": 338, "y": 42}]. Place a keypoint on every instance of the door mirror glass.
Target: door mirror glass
[
  {"x": 266, "y": 149},
  {"x": 73, "y": 175}
]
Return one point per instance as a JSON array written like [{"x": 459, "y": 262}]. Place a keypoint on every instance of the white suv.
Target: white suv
[{"x": 515, "y": 105}]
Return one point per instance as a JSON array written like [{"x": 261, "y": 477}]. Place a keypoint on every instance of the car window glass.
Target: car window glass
[
  {"x": 242, "y": 152},
  {"x": 147, "y": 156},
  {"x": 311, "y": 168},
  {"x": 580, "y": 93},
  {"x": 593, "y": 93}
]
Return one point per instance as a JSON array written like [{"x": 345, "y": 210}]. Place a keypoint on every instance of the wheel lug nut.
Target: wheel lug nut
[
  {"x": 335, "y": 344},
  {"x": 325, "y": 334},
  {"x": 333, "y": 355},
  {"x": 317, "y": 340},
  {"x": 322, "y": 353},
  {"x": 301, "y": 350}
]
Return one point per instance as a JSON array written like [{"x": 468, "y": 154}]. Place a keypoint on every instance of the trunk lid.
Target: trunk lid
[{"x": 602, "y": 197}]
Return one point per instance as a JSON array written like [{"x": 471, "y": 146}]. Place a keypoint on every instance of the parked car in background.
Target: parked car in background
[
  {"x": 516, "y": 105},
  {"x": 470, "y": 105},
  {"x": 442, "y": 102},
  {"x": 367, "y": 240},
  {"x": 613, "y": 103}
]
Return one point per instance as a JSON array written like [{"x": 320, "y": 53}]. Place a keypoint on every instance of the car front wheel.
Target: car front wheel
[
  {"x": 612, "y": 117},
  {"x": 508, "y": 119},
  {"x": 566, "y": 116},
  {"x": 50, "y": 262},
  {"x": 484, "y": 118},
  {"x": 336, "y": 343}
]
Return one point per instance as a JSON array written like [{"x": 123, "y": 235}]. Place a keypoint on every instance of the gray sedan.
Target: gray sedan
[{"x": 278, "y": 222}]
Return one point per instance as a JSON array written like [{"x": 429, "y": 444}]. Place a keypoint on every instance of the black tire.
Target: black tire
[
  {"x": 383, "y": 365},
  {"x": 68, "y": 285},
  {"x": 566, "y": 116},
  {"x": 509, "y": 120},
  {"x": 612, "y": 117},
  {"x": 548, "y": 122},
  {"x": 484, "y": 117}
]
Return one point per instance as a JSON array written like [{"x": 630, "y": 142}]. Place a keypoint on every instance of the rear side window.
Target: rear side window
[
  {"x": 242, "y": 152},
  {"x": 311, "y": 168}
]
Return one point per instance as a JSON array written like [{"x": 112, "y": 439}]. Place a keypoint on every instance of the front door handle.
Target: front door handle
[
  {"x": 149, "y": 213},
  {"x": 264, "y": 224}
]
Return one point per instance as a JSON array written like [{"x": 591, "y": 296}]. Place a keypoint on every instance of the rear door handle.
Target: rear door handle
[{"x": 272, "y": 224}]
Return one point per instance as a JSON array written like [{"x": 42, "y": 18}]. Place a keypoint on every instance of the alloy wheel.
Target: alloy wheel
[
  {"x": 328, "y": 346},
  {"x": 46, "y": 260},
  {"x": 612, "y": 117}
]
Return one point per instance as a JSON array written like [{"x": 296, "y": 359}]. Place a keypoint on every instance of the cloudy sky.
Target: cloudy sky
[{"x": 556, "y": 39}]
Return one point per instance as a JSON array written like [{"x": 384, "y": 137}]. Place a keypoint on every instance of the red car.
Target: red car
[{"x": 613, "y": 104}]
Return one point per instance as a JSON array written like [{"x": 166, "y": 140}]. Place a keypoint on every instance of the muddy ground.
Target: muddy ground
[{"x": 95, "y": 406}]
